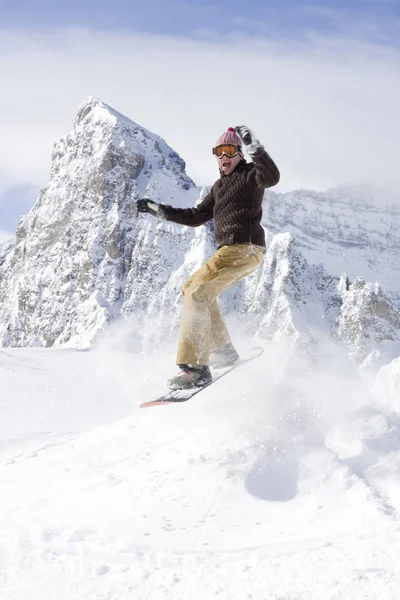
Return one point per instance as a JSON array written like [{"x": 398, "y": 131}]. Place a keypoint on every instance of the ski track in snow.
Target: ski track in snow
[{"x": 236, "y": 495}]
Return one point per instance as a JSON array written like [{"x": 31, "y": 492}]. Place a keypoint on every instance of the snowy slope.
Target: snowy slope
[{"x": 259, "y": 489}]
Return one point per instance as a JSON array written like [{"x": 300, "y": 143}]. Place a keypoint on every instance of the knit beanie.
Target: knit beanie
[{"x": 229, "y": 137}]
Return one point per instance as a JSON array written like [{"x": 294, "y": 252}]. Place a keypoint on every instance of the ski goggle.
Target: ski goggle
[{"x": 230, "y": 150}]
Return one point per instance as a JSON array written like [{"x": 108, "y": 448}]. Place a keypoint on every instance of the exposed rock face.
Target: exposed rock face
[
  {"x": 303, "y": 299},
  {"x": 368, "y": 322}
]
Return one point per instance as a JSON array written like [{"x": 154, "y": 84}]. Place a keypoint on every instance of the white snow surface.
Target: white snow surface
[{"x": 261, "y": 487}]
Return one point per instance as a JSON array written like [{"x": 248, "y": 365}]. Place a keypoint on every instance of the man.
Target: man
[{"x": 235, "y": 204}]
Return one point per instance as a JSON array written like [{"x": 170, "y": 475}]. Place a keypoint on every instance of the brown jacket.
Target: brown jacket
[{"x": 235, "y": 203}]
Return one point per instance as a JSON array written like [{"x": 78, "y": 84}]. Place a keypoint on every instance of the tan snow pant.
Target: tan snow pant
[{"x": 202, "y": 326}]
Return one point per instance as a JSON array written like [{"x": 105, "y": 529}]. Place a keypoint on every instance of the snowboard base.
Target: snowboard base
[{"x": 176, "y": 396}]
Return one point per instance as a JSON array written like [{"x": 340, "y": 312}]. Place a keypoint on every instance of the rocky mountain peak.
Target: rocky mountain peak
[{"x": 67, "y": 273}]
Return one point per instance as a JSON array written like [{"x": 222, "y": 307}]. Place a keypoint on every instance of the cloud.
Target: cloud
[
  {"x": 326, "y": 109},
  {"x": 373, "y": 20},
  {"x": 6, "y": 236}
]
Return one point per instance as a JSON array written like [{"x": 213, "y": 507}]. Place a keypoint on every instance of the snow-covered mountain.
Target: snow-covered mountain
[
  {"x": 83, "y": 256},
  {"x": 354, "y": 231},
  {"x": 81, "y": 248}
]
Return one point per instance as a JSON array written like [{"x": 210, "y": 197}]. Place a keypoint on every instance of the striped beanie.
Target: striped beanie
[{"x": 229, "y": 137}]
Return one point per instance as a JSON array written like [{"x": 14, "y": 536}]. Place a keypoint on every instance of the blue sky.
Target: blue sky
[
  {"x": 20, "y": 198},
  {"x": 190, "y": 17},
  {"x": 319, "y": 81}
]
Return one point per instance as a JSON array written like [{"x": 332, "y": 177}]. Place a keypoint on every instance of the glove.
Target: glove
[
  {"x": 252, "y": 145},
  {"x": 145, "y": 205}
]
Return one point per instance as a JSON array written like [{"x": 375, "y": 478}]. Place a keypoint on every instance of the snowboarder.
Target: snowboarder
[{"x": 235, "y": 204}]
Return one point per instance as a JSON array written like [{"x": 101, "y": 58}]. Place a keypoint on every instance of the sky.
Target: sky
[
  {"x": 189, "y": 17},
  {"x": 319, "y": 83}
]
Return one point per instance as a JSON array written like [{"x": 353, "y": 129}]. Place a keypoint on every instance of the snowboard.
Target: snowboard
[{"x": 174, "y": 396}]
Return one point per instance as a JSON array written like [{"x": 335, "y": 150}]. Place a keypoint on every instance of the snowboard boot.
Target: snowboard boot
[
  {"x": 190, "y": 376},
  {"x": 225, "y": 356}
]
